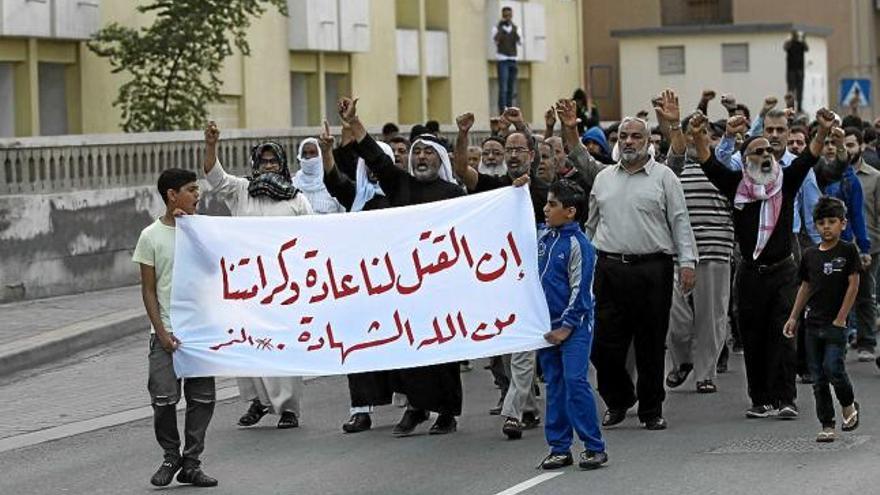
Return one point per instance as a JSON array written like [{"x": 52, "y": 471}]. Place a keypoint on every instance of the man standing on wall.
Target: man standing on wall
[
  {"x": 795, "y": 48},
  {"x": 506, "y": 37}
]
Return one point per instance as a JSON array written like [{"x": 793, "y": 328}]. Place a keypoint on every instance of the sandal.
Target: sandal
[
  {"x": 677, "y": 376},
  {"x": 825, "y": 436},
  {"x": 706, "y": 387},
  {"x": 254, "y": 414},
  {"x": 852, "y": 422}
]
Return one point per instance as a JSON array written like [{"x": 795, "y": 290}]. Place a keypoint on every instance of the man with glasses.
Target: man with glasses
[
  {"x": 762, "y": 217},
  {"x": 638, "y": 221}
]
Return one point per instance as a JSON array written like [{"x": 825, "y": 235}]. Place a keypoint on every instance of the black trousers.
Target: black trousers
[
  {"x": 795, "y": 82},
  {"x": 765, "y": 300},
  {"x": 632, "y": 306},
  {"x": 372, "y": 388},
  {"x": 434, "y": 388}
]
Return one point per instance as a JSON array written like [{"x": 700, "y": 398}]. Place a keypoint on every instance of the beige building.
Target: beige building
[
  {"x": 408, "y": 60},
  {"x": 746, "y": 60},
  {"x": 851, "y": 42}
]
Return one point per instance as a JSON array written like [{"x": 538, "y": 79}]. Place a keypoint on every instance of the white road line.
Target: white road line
[
  {"x": 115, "y": 419},
  {"x": 525, "y": 485}
]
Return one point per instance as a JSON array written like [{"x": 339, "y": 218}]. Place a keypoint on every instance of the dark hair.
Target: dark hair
[
  {"x": 579, "y": 94},
  {"x": 745, "y": 110},
  {"x": 854, "y": 131},
  {"x": 399, "y": 139},
  {"x": 828, "y": 207},
  {"x": 432, "y": 126},
  {"x": 799, "y": 129},
  {"x": 506, "y": 9},
  {"x": 869, "y": 134},
  {"x": 776, "y": 113},
  {"x": 611, "y": 128},
  {"x": 851, "y": 121},
  {"x": 174, "y": 178},
  {"x": 389, "y": 128},
  {"x": 570, "y": 194},
  {"x": 656, "y": 130}
]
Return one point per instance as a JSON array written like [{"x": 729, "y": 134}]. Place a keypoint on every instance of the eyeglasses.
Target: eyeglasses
[
  {"x": 761, "y": 151},
  {"x": 518, "y": 149}
]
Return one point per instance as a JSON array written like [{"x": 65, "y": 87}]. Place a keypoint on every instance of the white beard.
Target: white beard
[{"x": 760, "y": 177}]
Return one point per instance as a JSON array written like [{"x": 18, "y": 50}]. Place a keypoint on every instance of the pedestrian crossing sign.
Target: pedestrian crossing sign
[{"x": 855, "y": 89}]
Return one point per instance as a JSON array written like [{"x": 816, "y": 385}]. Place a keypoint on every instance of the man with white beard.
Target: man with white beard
[
  {"x": 763, "y": 195},
  {"x": 637, "y": 221}
]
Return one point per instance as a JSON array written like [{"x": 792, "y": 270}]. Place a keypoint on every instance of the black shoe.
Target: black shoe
[
  {"x": 288, "y": 420},
  {"x": 411, "y": 418},
  {"x": 512, "y": 428},
  {"x": 165, "y": 473},
  {"x": 556, "y": 461},
  {"x": 877, "y": 361},
  {"x": 445, "y": 424},
  {"x": 677, "y": 376},
  {"x": 655, "y": 424},
  {"x": 359, "y": 422},
  {"x": 613, "y": 417},
  {"x": 254, "y": 414},
  {"x": 592, "y": 460},
  {"x": 530, "y": 420},
  {"x": 496, "y": 411},
  {"x": 195, "y": 477}
]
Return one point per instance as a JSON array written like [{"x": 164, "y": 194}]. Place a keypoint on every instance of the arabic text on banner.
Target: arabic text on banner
[{"x": 336, "y": 294}]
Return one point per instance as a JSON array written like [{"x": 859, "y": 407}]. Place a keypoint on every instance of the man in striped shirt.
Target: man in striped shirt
[{"x": 698, "y": 320}]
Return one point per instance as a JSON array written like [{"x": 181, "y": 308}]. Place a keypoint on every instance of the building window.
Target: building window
[
  {"x": 735, "y": 57},
  {"x": 690, "y": 12},
  {"x": 53, "y": 99},
  {"x": 7, "y": 96},
  {"x": 671, "y": 60}
]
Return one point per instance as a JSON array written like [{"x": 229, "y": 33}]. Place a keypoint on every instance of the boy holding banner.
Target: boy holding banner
[
  {"x": 566, "y": 259},
  {"x": 155, "y": 255}
]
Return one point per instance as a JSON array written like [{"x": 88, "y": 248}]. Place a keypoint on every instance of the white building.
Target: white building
[{"x": 747, "y": 60}]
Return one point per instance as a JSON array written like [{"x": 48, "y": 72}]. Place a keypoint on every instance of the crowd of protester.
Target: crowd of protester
[{"x": 691, "y": 239}]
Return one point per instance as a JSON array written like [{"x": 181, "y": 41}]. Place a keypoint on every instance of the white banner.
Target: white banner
[{"x": 335, "y": 294}]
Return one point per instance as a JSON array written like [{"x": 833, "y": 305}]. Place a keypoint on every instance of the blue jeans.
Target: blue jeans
[
  {"x": 826, "y": 348},
  {"x": 506, "y": 84},
  {"x": 571, "y": 403}
]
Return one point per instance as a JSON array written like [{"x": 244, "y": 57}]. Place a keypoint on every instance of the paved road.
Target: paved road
[{"x": 710, "y": 447}]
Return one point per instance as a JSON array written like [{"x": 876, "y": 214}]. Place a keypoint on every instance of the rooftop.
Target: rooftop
[{"x": 747, "y": 28}]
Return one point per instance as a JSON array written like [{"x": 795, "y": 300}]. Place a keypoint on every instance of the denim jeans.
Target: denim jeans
[
  {"x": 826, "y": 348},
  {"x": 164, "y": 388},
  {"x": 507, "y": 71}
]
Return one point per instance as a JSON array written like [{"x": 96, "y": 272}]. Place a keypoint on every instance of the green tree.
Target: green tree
[{"x": 174, "y": 63}]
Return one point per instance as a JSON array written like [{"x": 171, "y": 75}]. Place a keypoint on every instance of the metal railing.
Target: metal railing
[{"x": 80, "y": 162}]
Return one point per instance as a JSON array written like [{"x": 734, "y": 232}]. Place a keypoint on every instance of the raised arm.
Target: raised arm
[
  {"x": 580, "y": 157},
  {"x": 325, "y": 141},
  {"x": 212, "y": 136},
  {"x": 377, "y": 161},
  {"x": 549, "y": 122},
  {"x": 669, "y": 115},
  {"x": 723, "y": 178},
  {"x": 464, "y": 172},
  {"x": 707, "y": 96}
]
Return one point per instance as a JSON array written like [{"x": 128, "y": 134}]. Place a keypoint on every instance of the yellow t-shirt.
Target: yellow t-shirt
[{"x": 155, "y": 247}]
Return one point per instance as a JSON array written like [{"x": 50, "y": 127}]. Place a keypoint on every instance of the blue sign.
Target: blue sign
[{"x": 858, "y": 89}]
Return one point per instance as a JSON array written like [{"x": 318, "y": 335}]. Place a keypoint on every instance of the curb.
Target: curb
[{"x": 67, "y": 340}]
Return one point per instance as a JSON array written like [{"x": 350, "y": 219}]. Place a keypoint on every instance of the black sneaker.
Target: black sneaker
[
  {"x": 512, "y": 428},
  {"x": 196, "y": 477},
  {"x": 445, "y": 423},
  {"x": 254, "y": 414},
  {"x": 764, "y": 411},
  {"x": 787, "y": 411},
  {"x": 165, "y": 473},
  {"x": 359, "y": 422},
  {"x": 592, "y": 460},
  {"x": 411, "y": 418},
  {"x": 530, "y": 420},
  {"x": 556, "y": 461},
  {"x": 656, "y": 424},
  {"x": 613, "y": 417}
]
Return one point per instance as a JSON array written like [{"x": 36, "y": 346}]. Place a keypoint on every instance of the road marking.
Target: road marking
[
  {"x": 525, "y": 485},
  {"x": 79, "y": 427}
]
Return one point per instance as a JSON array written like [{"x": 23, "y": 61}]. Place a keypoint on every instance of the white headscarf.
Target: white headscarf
[
  {"x": 365, "y": 190},
  {"x": 310, "y": 180},
  {"x": 445, "y": 171}
]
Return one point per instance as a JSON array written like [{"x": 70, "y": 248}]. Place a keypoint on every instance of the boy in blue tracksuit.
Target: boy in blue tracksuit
[{"x": 566, "y": 260}]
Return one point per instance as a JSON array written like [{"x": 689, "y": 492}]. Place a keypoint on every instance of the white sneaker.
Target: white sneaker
[{"x": 866, "y": 356}]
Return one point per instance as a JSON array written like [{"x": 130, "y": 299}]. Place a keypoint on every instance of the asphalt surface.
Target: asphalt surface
[{"x": 709, "y": 448}]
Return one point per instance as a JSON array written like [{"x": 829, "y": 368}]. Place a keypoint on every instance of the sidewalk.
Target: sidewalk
[{"x": 45, "y": 330}]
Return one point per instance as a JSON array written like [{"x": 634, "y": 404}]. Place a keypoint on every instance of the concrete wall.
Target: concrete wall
[{"x": 640, "y": 77}]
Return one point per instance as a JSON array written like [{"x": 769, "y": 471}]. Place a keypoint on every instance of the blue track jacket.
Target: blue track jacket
[
  {"x": 566, "y": 259},
  {"x": 849, "y": 190}
]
